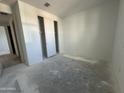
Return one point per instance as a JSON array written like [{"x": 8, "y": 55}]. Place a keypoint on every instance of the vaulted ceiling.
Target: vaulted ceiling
[{"x": 61, "y": 8}]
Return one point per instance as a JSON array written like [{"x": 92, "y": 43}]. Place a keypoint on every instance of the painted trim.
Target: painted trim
[{"x": 81, "y": 59}]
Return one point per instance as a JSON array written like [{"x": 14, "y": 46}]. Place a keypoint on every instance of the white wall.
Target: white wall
[
  {"x": 4, "y": 47},
  {"x": 90, "y": 33},
  {"x": 31, "y": 30},
  {"x": 118, "y": 55}
]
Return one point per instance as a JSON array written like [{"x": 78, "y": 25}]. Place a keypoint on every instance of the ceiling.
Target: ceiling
[{"x": 61, "y": 8}]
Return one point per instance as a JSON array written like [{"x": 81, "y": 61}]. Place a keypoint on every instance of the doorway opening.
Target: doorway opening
[
  {"x": 9, "y": 48},
  {"x": 11, "y": 40},
  {"x": 43, "y": 36},
  {"x": 56, "y": 36}
]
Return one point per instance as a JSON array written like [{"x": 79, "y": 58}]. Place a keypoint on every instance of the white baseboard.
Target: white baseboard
[{"x": 81, "y": 59}]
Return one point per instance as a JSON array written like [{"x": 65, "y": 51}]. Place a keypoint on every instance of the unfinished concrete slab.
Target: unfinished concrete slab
[{"x": 56, "y": 75}]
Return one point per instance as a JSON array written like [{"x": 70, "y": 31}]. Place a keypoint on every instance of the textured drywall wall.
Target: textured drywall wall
[
  {"x": 90, "y": 33},
  {"x": 29, "y": 18},
  {"x": 118, "y": 55},
  {"x": 4, "y": 47}
]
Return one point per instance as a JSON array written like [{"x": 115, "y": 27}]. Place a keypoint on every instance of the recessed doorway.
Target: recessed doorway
[{"x": 43, "y": 36}]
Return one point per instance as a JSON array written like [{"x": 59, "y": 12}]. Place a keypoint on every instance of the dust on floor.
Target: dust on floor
[{"x": 56, "y": 75}]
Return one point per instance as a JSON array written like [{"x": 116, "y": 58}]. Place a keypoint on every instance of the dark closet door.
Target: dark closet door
[
  {"x": 43, "y": 36},
  {"x": 11, "y": 39},
  {"x": 56, "y": 36}
]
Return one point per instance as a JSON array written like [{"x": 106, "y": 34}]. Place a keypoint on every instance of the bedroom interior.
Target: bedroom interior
[{"x": 61, "y": 46}]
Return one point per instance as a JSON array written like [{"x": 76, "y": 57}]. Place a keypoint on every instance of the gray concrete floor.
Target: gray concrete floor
[{"x": 57, "y": 75}]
